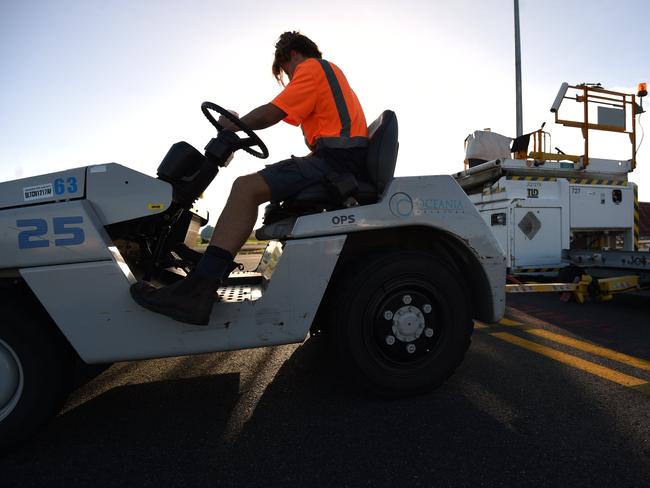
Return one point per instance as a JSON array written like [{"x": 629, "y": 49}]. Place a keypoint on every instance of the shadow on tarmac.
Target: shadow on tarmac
[
  {"x": 622, "y": 324},
  {"x": 489, "y": 425},
  {"x": 504, "y": 419}
]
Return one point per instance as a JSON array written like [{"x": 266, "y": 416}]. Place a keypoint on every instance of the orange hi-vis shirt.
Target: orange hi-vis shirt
[{"x": 319, "y": 99}]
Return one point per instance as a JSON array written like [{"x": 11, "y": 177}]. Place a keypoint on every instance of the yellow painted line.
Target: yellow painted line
[
  {"x": 576, "y": 362},
  {"x": 510, "y": 323},
  {"x": 480, "y": 325},
  {"x": 592, "y": 349}
]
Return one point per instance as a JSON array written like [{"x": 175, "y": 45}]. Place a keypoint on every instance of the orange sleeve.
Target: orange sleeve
[{"x": 298, "y": 98}]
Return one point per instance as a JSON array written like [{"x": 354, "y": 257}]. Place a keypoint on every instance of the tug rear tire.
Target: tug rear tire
[
  {"x": 36, "y": 372},
  {"x": 403, "y": 323}
]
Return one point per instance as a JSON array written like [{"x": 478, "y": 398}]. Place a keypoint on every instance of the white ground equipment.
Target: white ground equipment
[
  {"x": 393, "y": 269},
  {"x": 540, "y": 203}
]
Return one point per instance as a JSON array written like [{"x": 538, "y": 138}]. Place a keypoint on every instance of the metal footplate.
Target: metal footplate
[{"x": 240, "y": 293}]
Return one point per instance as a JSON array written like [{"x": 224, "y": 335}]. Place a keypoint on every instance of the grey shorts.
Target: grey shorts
[{"x": 289, "y": 177}]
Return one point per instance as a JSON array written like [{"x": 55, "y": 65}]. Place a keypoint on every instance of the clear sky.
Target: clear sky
[{"x": 86, "y": 82}]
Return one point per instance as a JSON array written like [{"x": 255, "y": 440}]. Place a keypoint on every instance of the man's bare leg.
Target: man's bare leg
[{"x": 238, "y": 217}]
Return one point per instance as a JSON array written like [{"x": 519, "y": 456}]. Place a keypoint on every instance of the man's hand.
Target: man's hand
[
  {"x": 227, "y": 124},
  {"x": 260, "y": 118}
]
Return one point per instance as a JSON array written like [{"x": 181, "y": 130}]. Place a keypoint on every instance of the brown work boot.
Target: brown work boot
[{"x": 189, "y": 300}]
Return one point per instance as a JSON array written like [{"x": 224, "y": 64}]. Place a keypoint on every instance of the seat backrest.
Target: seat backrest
[{"x": 382, "y": 150}]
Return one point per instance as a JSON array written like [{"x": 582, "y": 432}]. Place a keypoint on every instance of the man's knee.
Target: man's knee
[{"x": 252, "y": 186}]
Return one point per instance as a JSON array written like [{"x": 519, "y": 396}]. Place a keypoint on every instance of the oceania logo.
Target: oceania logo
[{"x": 401, "y": 205}]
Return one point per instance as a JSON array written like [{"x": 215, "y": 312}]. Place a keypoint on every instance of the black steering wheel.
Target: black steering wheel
[{"x": 246, "y": 144}]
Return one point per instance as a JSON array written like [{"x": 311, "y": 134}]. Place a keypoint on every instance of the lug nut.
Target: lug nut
[
  {"x": 388, "y": 315},
  {"x": 407, "y": 299},
  {"x": 410, "y": 348},
  {"x": 427, "y": 308},
  {"x": 390, "y": 340},
  {"x": 428, "y": 332}
]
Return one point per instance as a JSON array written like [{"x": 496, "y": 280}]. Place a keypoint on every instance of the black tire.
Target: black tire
[
  {"x": 413, "y": 300},
  {"x": 44, "y": 366}
]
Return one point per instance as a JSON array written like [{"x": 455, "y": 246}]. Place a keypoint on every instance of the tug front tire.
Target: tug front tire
[
  {"x": 403, "y": 323},
  {"x": 36, "y": 369}
]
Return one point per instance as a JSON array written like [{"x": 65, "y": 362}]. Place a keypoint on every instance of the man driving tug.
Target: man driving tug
[{"x": 319, "y": 99}]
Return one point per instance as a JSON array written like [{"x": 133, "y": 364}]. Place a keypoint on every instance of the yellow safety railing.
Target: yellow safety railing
[{"x": 595, "y": 96}]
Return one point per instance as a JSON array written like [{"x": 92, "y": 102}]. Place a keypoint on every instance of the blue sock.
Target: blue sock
[{"x": 214, "y": 263}]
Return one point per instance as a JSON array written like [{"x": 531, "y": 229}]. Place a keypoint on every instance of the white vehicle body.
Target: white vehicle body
[
  {"x": 538, "y": 203},
  {"x": 536, "y": 212},
  {"x": 85, "y": 287},
  {"x": 394, "y": 269}
]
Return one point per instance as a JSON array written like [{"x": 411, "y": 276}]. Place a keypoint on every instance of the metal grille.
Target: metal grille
[{"x": 239, "y": 293}]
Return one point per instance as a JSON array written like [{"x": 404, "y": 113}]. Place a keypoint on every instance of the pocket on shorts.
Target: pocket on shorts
[
  {"x": 310, "y": 167},
  {"x": 286, "y": 165}
]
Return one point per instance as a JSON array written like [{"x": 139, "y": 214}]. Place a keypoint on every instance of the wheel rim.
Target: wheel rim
[
  {"x": 405, "y": 323},
  {"x": 11, "y": 380}
]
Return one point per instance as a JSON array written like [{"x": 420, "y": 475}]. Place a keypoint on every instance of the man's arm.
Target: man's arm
[{"x": 259, "y": 118}]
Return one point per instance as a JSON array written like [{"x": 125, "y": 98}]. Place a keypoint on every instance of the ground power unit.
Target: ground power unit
[
  {"x": 536, "y": 213},
  {"x": 539, "y": 204}
]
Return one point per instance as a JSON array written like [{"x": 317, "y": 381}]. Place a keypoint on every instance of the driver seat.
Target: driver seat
[{"x": 383, "y": 146}]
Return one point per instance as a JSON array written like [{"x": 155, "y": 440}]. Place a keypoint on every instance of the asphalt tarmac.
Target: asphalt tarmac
[{"x": 567, "y": 406}]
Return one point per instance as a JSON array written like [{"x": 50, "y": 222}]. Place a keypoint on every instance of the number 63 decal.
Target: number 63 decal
[{"x": 62, "y": 227}]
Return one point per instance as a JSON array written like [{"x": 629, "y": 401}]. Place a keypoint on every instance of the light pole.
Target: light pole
[{"x": 518, "y": 70}]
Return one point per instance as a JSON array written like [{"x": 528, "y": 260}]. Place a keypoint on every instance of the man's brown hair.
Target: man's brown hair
[{"x": 292, "y": 41}]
